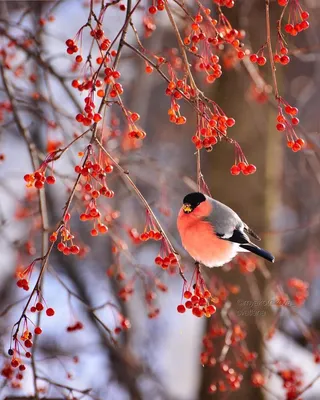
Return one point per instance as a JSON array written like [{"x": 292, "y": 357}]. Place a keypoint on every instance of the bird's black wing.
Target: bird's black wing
[
  {"x": 237, "y": 237},
  {"x": 244, "y": 242}
]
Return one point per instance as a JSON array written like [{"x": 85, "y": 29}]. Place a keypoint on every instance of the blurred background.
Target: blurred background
[{"x": 156, "y": 358}]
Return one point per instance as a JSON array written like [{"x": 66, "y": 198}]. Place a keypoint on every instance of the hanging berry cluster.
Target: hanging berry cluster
[
  {"x": 166, "y": 259},
  {"x": 300, "y": 290},
  {"x": 198, "y": 298},
  {"x": 287, "y": 123},
  {"x": 66, "y": 244},
  {"x": 212, "y": 126},
  {"x": 297, "y": 17},
  {"x": 150, "y": 229},
  {"x": 38, "y": 178},
  {"x": 232, "y": 371},
  {"x": 241, "y": 164},
  {"x": 24, "y": 343},
  {"x": 25, "y": 276},
  {"x": 94, "y": 185}
]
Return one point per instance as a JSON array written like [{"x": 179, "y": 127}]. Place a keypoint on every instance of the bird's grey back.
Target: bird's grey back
[{"x": 224, "y": 219}]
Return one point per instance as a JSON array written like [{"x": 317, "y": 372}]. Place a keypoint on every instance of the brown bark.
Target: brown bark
[{"x": 252, "y": 197}]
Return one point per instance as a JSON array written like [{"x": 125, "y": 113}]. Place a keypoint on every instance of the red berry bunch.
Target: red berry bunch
[
  {"x": 174, "y": 112},
  {"x": 25, "y": 276},
  {"x": 177, "y": 89},
  {"x": 231, "y": 380},
  {"x": 134, "y": 235},
  {"x": 257, "y": 379},
  {"x": 7, "y": 371},
  {"x": 150, "y": 229},
  {"x": 166, "y": 259},
  {"x": 292, "y": 382},
  {"x": 89, "y": 116},
  {"x": 226, "y": 3},
  {"x": 297, "y": 18},
  {"x": 246, "y": 264},
  {"x": 71, "y": 46},
  {"x": 259, "y": 58},
  {"x": 93, "y": 185},
  {"x": 300, "y": 290},
  {"x": 281, "y": 54},
  {"x": 77, "y": 326},
  {"x": 157, "y": 5},
  {"x": 126, "y": 292},
  {"x": 38, "y": 178},
  {"x": 198, "y": 299},
  {"x": 287, "y": 123},
  {"x": 212, "y": 127},
  {"x": 241, "y": 164},
  {"x": 124, "y": 325}
]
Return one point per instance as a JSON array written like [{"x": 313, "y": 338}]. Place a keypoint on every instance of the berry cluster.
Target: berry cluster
[
  {"x": 77, "y": 326},
  {"x": 150, "y": 229},
  {"x": 198, "y": 299},
  {"x": 38, "y": 307},
  {"x": 211, "y": 127},
  {"x": 71, "y": 46},
  {"x": 297, "y": 19},
  {"x": 300, "y": 289},
  {"x": 177, "y": 89},
  {"x": 94, "y": 184},
  {"x": 124, "y": 325},
  {"x": 257, "y": 379},
  {"x": 157, "y": 5},
  {"x": 287, "y": 123},
  {"x": 292, "y": 382},
  {"x": 231, "y": 379},
  {"x": 226, "y": 3},
  {"x": 66, "y": 244},
  {"x": 166, "y": 259},
  {"x": 89, "y": 116},
  {"x": 241, "y": 164},
  {"x": 25, "y": 276},
  {"x": 38, "y": 178},
  {"x": 259, "y": 57}
]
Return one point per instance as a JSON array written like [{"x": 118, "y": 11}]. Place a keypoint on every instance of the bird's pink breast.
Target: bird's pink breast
[{"x": 200, "y": 241}]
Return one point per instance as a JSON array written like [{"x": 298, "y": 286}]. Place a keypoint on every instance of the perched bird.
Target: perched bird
[{"x": 212, "y": 233}]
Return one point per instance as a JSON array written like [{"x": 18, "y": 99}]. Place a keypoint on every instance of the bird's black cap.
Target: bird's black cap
[{"x": 194, "y": 199}]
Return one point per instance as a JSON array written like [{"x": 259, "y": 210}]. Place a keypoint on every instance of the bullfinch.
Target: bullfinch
[{"x": 212, "y": 233}]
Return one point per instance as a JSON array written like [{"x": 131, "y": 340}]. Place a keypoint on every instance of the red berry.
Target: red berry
[
  {"x": 50, "y": 312},
  {"x": 97, "y": 117},
  {"x": 152, "y": 10},
  {"x": 61, "y": 246},
  {"x": 253, "y": 58},
  {"x": 28, "y": 343},
  {"x": 39, "y": 306},
  {"x": 251, "y": 169},
  {"x": 235, "y": 170},
  {"x": 284, "y": 60},
  {"x": 281, "y": 127},
  {"x": 261, "y": 60},
  {"x": 181, "y": 308},
  {"x": 38, "y": 330},
  {"x": 51, "y": 179}
]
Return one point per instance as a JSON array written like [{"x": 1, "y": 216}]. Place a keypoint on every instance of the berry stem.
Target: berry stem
[
  {"x": 126, "y": 178},
  {"x": 269, "y": 45}
]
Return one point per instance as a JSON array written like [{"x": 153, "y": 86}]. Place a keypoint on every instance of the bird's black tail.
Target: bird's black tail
[{"x": 258, "y": 251}]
